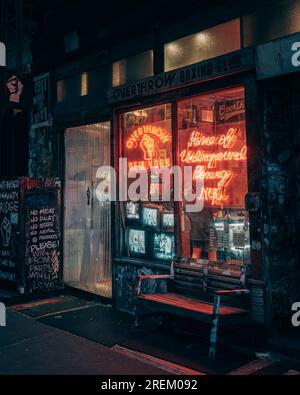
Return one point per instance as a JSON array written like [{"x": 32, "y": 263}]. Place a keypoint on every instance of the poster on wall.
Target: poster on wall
[
  {"x": 16, "y": 90},
  {"x": 40, "y": 115}
]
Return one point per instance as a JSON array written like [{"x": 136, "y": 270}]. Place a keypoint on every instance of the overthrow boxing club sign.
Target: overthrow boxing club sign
[{"x": 232, "y": 63}]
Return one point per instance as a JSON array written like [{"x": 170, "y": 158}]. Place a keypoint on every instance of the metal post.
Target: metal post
[{"x": 214, "y": 329}]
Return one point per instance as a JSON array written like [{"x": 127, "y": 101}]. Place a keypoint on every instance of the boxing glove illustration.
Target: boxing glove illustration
[
  {"x": 15, "y": 88},
  {"x": 147, "y": 145}
]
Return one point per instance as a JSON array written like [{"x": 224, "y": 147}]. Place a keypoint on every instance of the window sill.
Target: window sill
[{"x": 144, "y": 263}]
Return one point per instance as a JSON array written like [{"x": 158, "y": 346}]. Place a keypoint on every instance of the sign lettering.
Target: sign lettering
[{"x": 228, "y": 64}]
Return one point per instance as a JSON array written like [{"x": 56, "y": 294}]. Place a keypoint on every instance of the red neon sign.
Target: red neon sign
[
  {"x": 147, "y": 130},
  {"x": 216, "y": 160},
  {"x": 226, "y": 141},
  {"x": 149, "y": 144}
]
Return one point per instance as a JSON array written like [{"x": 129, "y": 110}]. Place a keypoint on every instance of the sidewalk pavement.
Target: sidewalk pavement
[
  {"x": 28, "y": 347},
  {"x": 72, "y": 335}
]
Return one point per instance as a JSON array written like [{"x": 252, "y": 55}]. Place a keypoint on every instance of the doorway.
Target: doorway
[{"x": 87, "y": 221}]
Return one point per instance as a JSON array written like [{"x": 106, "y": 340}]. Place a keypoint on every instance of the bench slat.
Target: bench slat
[
  {"x": 190, "y": 304},
  {"x": 238, "y": 301}
]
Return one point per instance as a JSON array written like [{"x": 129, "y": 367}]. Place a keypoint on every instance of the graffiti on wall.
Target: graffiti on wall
[
  {"x": 127, "y": 281},
  {"x": 280, "y": 196},
  {"x": 41, "y": 152},
  {"x": 280, "y": 227},
  {"x": 9, "y": 226}
]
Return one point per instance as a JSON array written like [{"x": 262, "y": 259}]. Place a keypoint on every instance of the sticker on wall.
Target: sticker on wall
[
  {"x": 40, "y": 115},
  {"x": 16, "y": 91},
  {"x": 14, "y": 218},
  {"x": 253, "y": 202}
]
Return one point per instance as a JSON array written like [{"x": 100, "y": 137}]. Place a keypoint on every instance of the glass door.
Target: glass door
[{"x": 87, "y": 221}]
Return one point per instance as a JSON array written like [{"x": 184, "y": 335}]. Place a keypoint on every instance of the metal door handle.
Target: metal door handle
[{"x": 88, "y": 196}]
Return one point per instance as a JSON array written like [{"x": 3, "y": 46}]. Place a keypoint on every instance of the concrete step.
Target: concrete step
[
  {"x": 254, "y": 367},
  {"x": 169, "y": 367},
  {"x": 291, "y": 372}
]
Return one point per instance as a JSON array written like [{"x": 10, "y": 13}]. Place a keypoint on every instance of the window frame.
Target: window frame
[
  {"x": 194, "y": 34},
  {"x": 151, "y": 52},
  {"x": 208, "y": 87}
]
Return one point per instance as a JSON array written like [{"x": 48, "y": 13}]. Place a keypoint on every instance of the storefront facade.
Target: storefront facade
[
  {"x": 187, "y": 95},
  {"x": 206, "y": 124},
  {"x": 279, "y": 103}
]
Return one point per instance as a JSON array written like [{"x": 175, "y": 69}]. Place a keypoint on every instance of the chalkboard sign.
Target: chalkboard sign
[
  {"x": 9, "y": 230},
  {"x": 42, "y": 240}
]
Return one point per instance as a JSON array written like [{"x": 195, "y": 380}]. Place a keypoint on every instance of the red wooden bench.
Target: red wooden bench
[{"x": 212, "y": 312}]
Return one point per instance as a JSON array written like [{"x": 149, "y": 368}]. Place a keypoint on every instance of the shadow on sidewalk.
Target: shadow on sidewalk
[{"x": 182, "y": 342}]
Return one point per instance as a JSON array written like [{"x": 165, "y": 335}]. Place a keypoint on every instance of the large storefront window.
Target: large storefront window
[
  {"x": 148, "y": 222},
  {"x": 212, "y": 139}
]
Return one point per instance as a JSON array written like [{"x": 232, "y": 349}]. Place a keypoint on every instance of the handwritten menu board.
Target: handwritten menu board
[
  {"x": 42, "y": 240},
  {"x": 9, "y": 226}
]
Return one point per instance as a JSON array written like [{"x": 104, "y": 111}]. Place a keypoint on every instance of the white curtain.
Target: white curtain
[{"x": 87, "y": 226}]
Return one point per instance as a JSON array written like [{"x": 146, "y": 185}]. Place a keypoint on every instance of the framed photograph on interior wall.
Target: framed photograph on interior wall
[
  {"x": 151, "y": 216},
  {"x": 162, "y": 246},
  {"x": 132, "y": 211},
  {"x": 137, "y": 242},
  {"x": 167, "y": 221}
]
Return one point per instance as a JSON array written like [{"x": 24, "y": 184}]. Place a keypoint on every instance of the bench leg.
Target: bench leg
[{"x": 214, "y": 329}]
